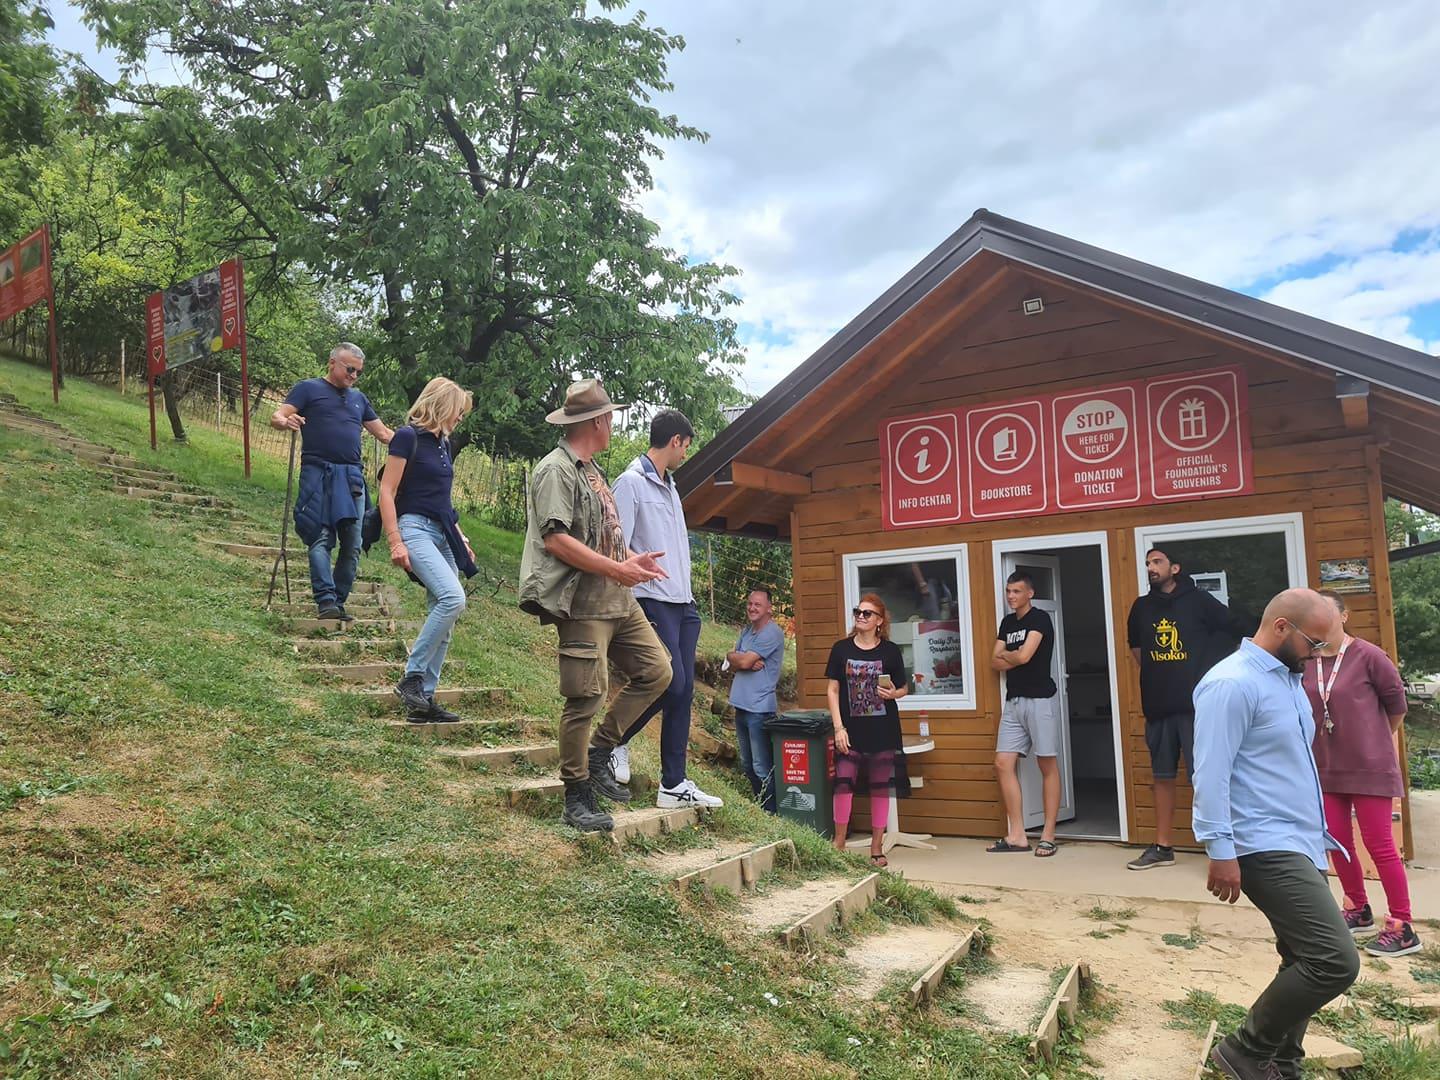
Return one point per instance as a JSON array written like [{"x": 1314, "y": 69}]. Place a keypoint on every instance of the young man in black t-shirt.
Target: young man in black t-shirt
[{"x": 1030, "y": 717}]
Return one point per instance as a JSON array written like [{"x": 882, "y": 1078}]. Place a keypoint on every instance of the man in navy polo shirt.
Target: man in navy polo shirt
[{"x": 329, "y": 413}]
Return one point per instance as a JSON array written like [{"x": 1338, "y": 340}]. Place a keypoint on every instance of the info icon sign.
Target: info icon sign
[{"x": 921, "y": 480}]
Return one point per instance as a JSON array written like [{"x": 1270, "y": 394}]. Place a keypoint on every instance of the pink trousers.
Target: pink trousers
[
  {"x": 1373, "y": 813},
  {"x": 879, "y": 810}
]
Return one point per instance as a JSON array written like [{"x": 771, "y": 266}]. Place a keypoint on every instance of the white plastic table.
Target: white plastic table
[{"x": 913, "y": 744}]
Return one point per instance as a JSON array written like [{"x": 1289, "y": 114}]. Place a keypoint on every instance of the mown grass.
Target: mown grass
[{"x": 211, "y": 868}]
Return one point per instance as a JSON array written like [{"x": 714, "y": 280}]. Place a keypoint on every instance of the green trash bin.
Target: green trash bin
[{"x": 802, "y": 753}]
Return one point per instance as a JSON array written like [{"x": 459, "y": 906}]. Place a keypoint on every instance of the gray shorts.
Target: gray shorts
[{"x": 1028, "y": 724}]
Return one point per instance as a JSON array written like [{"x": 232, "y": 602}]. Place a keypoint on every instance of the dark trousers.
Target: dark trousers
[
  {"x": 678, "y": 628},
  {"x": 1318, "y": 957}
]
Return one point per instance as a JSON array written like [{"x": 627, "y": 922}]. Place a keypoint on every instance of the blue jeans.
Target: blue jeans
[
  {"x": 335, "y": 588},
  {"x": 433, "y": 563},
  {"x": 678, "y": 628},
  {"x": 753, "y": 742}
]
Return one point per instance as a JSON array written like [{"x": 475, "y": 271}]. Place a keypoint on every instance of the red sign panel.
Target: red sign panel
[
  {"x": 794, "y": 761},
  {"x": 195, "y": 318},
  {"x": 1197, "y": 447},
  {"x": 1097, "y": 448},
  {"x": 921, "y": 479},
  {"x": 1006, "y": 471},
  {"x": 24, "y": 274},
  {"x": 1177, "y": 437}
]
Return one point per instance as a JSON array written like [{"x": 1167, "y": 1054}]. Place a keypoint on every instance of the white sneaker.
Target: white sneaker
[
  {"x": 620, "y": 762},
  {"x": 685, "y": 794}
]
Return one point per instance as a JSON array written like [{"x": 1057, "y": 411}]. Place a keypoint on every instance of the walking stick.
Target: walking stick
[{"x": 284, "y": 531}]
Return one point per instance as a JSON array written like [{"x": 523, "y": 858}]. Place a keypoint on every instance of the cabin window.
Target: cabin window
[
  {"x": 927, "y": 593},
  {"x": 1243, "y": 562}
]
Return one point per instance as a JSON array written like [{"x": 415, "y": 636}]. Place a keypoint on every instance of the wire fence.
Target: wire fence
[{"x": 724, "y": 570}]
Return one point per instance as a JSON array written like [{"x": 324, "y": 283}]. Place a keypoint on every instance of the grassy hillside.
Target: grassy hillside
[{"x": 211, "y": 867}]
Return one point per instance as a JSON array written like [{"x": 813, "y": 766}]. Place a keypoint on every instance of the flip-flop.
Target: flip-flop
[
  {"x": 880, "y": 861},
  {"x": 1045, "y": 849},
  {"x": 1004, "y": 847}
]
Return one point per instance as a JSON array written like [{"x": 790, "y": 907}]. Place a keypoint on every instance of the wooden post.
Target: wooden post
[
  {"x": 50, "y": 299},
  {"x": 122, "y": 367},
  {"x": 151, "y": 381},
  {"x": 217, "y": 401},
  {"x": 244, "y": 368},
  {"x": 710, "y": 563}
]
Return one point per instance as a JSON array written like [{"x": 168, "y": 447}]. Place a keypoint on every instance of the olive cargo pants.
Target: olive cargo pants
[{"x": 587, "y": 648}]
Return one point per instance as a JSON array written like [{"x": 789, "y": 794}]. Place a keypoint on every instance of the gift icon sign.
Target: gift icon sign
[
  {"x": 1004, "y": 445},
  {"x": 1193, "y": 426}
]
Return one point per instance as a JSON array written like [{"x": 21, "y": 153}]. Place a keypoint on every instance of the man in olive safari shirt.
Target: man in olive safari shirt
[{"x": 577, "y": 573}]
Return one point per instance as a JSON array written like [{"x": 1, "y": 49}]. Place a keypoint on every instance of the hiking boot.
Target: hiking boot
[
  {"x": 580, "y": 809},
  {"x": 1233, "y": 1062},
  {"x": 602, "y": 776},
  {"x": 439, "y": 715},
  {"x": 620, "y": 764},
  {"x": 420, "y": 717},
  {"x": 1151, "y": 857},
  {"x": 344, "y": 615},
  {"x": 331, "y": 611},
  {"x": 686, "y": 793},
  {"x": 411, "y": 692},
  {"x": 1397, "y": 939},
  {"x": 1359, "y": 920}
]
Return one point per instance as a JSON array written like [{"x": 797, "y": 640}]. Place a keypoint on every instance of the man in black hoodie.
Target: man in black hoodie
[{"x": 1177, "y": 633}]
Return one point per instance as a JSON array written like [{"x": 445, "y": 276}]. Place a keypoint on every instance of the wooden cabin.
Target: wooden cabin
[{"x": 1020, "y": 399}]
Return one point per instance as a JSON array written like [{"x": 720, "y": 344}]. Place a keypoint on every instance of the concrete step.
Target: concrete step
[
  {"x": 339, "y": 626},
  {"x": 737, "y": 871},
  {"x": 493, "y": 695},
  {"x": 178, "y": 498},
  {"x": 179, "y": 487},
  {"x": 540, "y": 788},
  {"x": 651, "y": 821},
  {"x": 500, "y": 757},
  {"x": 803, "y": 914},
  {"x": 923, "y": 953}
]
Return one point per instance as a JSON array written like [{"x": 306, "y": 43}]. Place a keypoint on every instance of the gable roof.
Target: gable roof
[{"x": 1406, "y": 371}]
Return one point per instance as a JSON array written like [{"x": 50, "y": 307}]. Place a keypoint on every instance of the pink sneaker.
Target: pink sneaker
[
  {"x": 1397, "y": 939},
  {"x": 1359, "y": 921}
]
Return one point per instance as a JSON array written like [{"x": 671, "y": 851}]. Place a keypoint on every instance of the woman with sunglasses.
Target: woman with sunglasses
[
  {"x": 867, "y": 677},
  {"x": 1359, "y": 703},
  {"x": 425, "y": 538}
]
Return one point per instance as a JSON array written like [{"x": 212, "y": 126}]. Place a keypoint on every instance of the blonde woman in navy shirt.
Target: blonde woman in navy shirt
[{"x": 425, "y": 538}]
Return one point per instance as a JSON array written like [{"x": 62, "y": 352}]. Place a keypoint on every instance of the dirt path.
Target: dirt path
[{"x": 1230, "y": 953}]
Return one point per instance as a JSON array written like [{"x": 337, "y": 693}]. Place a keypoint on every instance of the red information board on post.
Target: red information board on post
[
  {"x": 194, "y": 319},
  {"x": 25, "y": 280},
  {"x": 1131, "y": 444}
]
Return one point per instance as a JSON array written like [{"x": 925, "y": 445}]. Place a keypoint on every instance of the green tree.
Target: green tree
[
  {"x": 28, "y": 69},
  {"x": 1415, "y": 586},
  {"x": 473, "y": 168}
]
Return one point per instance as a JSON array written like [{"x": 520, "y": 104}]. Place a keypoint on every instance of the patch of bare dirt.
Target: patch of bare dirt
[
  {"x": 80, "y": 810},
  {"x": 781, "y": 907},
  {"x": 901, "y": 949}
]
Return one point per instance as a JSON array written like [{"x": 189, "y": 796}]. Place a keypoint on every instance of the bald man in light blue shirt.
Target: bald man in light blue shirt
[{"x": 1259, "y": 812}]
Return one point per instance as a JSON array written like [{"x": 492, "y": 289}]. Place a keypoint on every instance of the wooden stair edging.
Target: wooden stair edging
[
  {"x": 432, "y": 729},
  {"x": 840, "y": 909},
  {"x": 361, "y": 671},
  {"x": 738, "y": 872},
  {"x": 1204, "y": 1062},
  {"x": 1066, "y": 1002},
  {"x": 252, "y": 550},
  {"x": 923, "y": 989},
  {"x": 300, "y": 624},
  {"x": 476, "y": 756},
  {"x": 545, "y": 787},
  {"x": 652, "y": 822},
  {"x": 446, "y": 696}
]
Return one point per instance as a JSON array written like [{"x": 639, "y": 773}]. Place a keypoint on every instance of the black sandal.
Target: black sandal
[
  {"x": 1004, "y": 847},
  {"x": 1045, "y": 849},
  {"x": 880, "y": 861}
]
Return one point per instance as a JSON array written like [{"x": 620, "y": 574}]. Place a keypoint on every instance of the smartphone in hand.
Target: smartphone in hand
[{"x": 887, "y": 682}]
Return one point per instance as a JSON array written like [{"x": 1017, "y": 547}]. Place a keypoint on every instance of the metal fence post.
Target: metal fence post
[{"x": 710, "y": 563}]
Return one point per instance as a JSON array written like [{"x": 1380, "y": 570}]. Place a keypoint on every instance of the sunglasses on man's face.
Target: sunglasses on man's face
[
  {"x": 351, "y": 370},
  {"x": 1315, "y": 646},
  {"x": 864, "y": 613}
]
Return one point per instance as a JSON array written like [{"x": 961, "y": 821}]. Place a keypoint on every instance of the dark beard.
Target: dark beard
[{"x": 1292, "y": 659}]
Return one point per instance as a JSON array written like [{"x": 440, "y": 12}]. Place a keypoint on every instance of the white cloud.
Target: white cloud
[{"x": 1227, "y": 141}]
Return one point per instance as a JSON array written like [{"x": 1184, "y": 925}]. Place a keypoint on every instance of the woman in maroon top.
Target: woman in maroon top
[{"x": 1359, "y": 704}]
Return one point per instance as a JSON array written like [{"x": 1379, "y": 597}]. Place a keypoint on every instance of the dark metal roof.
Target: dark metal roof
[{"x": 1384, "y": 363}]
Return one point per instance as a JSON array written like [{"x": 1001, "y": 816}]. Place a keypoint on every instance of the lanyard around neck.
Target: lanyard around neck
[{"x": 1324, "y": 685}]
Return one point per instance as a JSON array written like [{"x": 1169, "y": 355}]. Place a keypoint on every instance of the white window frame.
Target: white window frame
[
  {"x": 850, "y": 569},
  {"x": 1291, "y": 525}
]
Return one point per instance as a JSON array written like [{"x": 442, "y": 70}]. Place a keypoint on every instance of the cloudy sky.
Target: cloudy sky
[{"x": 1289, "y": 150}]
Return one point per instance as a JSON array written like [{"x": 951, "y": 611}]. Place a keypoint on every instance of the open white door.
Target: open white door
[{"x": 1045, "y": 571}]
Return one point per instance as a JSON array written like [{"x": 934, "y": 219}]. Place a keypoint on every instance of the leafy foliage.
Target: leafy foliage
[
  {"x": 1415, "y": 585},
  {"x": 470, "y": 169}
]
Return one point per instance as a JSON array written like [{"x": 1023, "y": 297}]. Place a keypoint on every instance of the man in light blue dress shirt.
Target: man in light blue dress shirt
[{"x": 1260, "y": 814}]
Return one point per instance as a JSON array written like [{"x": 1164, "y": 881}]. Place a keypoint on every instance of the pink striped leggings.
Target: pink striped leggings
[{"x": 1373, "y": 813}]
